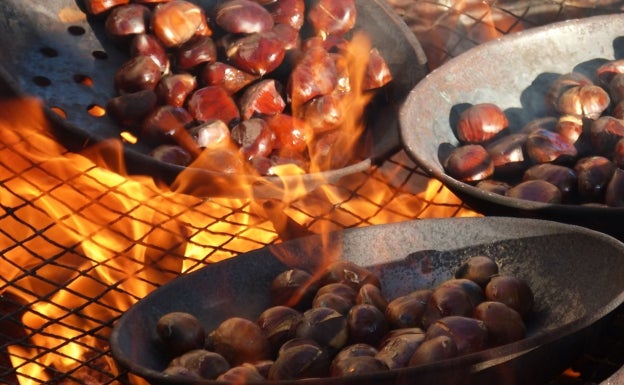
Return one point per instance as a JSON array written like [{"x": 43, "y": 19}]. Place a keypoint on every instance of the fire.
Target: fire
[{"x": 83, "y": 241}]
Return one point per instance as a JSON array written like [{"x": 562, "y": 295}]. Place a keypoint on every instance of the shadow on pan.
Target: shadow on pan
[
  {"x": 574, "y": 272},
  {"x": 51, "y": 47}
]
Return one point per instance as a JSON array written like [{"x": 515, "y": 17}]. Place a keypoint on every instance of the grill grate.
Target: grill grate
[{"x": 79, "y": 244}]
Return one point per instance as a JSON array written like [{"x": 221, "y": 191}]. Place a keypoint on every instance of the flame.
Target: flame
[{"x": 83, "y": 240}]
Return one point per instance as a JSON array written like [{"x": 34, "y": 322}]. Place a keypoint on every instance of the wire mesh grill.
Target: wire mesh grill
[{"x": 80, "y": 243}]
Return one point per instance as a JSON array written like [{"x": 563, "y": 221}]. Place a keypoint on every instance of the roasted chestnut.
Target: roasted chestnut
[
  {"x": 371, "y": 294},
  {"x": 325, "y": 326},
  {"x": 434, "y": 349},
  {"x": 295, "y": 288},
  {"x": 536, "y": 190},
  {"x": 240, "y": 340},
  {"x": 469, "y": 163},
  {"x": 205, "y": 364},
  {"x": 180, "y": 332},
  {"x": 478, "y": 268},
  {"x": 593, "y": 173},
  {"x": 367, "y": 324},
  {"x": 241, "y": 374},
  {"x": 407, "y": 311},
  {"x": 279, "y": 324},
  {"x": 504, "y": 324},
  {"x": 243, "y": 17},
  {"x": 446, "y": 301},
  {"x": 512, "y": 291},
  {"x": 176, "y": 22},
  {"x": 348, "y": 273},
  {"x": 356, "y": 366},
  {"x": 480, "y": 123},
  {"x": 469, "y": 334},
  {"x": 397, "y": 351},
  {"x": 299, "y": 362}
]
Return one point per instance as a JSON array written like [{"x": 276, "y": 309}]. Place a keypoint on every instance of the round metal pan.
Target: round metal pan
[
  {"x": 575, "y": 274},
  {"x": 513, "y": 72},
  {"x": 51, "y": 47}
]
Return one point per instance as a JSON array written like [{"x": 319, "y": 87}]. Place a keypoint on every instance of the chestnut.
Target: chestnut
[
  {"x": 240, "y": 340},
  {"x": 543, "y": 146},
  {"x": 255, "y": 138},
  {"x": 512, "y": 291},
  {"x": 446, "y": 301},
  {"x": 204, "y": 363},
  {"x": 171, "y": 153},
  {"x": 334, "y": 301},
  {"x": 588, "y": 101},
  {"x": 293, "y": 287},
  {"x": 561, "y": 176},
  {"x": 130, "y": 109},
  {"x": 228, "y": 77},
  {"x": 313, "y": 75},
  {"x": 329, "y": 17},
  {"x": 355, "y": 350},
  {"x": 357, "y": 366},
  {"x": 371, "y": 294},
  {"x": 173, "y": 89},
  {"x": 325, "y": 326},
  {"x": 241, "y": 374},
  {"x": 608, "y": 70},
  {"x": 407, "y": 311},
  {"x": 469, "y": 334},
  {"x": 604, "y": 134},
  {"x": 180, "y": 332},
  {"x": 257, "y": 53},
  {"x": 212, "y": 134},
  {"x": 562, "y": 84},
  {"x": 176, "y": 22},
  {"x": 125, "y": 21},
  {"x": 480, "y": 123},
  {"x": 279, "y": 324},
  {"x": 288, "y": 12},
  {"x": 536, "y": 190},
  {"x": 397, "y": 351},
  {"x": 507, "y": 154},
  {"x": 618, "y": 153},
  {"x": 504, "y": 324},
  {"x": 243, "y": 17},
  {"x": 299, "y": 362},
  {"x": 494, "y": 186},
  {"x": 145, "y": 44},
  {"x": 97, "y": 7},
  {"x": 348, "y": 273},
  {"x": 197, "y": 51},
  {"x": 478, "y": 268},
  {"x": 614, "y": 194},
  {"x": 367, "y": 324},
  {"x": 137, "y": 74},
  {"x": 261, "y": 98},
  {"x": 469, "y": 163},
  {"x": 434, "y": 349},
  {"x": 213, "y": 103},
  {"x": 593, "y": 173}
]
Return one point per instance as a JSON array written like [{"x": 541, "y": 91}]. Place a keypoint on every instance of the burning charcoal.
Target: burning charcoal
[
  {"x": 367, "y": 324},
  {"x": 243, "y": 17},
  {"x": 434, "y": 349},
  {"x": 478, "y": 268},
  {"x": 204, "y": 363},
  {"x": 504, "y": 324},
  {"x": 407, "y": 311},
  {"x": 240, "y": 340},
  {"x": 295, "y": 288},
  {"x": 511, "y": 291},
  {"x": 180, "y": 332},
  {"x": 360, "y": 365}
]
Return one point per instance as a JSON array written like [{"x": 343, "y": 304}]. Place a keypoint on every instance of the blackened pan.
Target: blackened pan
[
  {"x": 514, "y": 72},
  {"x": 50, "y": 48},
  {"x": 575, "y": 273}
]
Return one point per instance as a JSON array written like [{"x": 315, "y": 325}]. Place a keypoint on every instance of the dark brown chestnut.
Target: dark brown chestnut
[
  {"x": 561, "y": 176},
  {"x": 240, "y": 340},
  {"x": 299, "y": 362},
  {"x": 241, "y": 374},
  {"x": 180, "y": 332},
  {"x": 543, "y": 146},
  {"x": 512, "y": 291},
  {"x": 257, "y": 53},
  {"x": 507, "y": 154},
  {"x": 130, "y": 109},
  {"x": 407, "y": 311},
  {"x": 279, "y": 324},
  {"x": 314, "y": 74},
  {"x": 137, "y": 74},
  {"x": 145, "y": 44},
  {"x": 176, "y": 22},
  {"x": 504, "y": 324},
  {"x": 367, "y": 324},
  {"x": 166, "y": 124},
  {"x": 536, "y": 190},
  {"x": 469, "y": 334},
  {"x": 230, "y": 78},
  {"x": 255, "y": 138},
  {"x": 355, "y": 350},
  {"x": 206, "y": 364},
  {"x": 325, "y": 326},
  {"x": 604, "y": 133},
  {"x": 372, "y": 295},
  {"x": 243, "y": 17},
  {"x": 469, "y": 163},
  {"x": 593, "y": 173},
  {"x": 434, "y": 349},
  {"x": 174, "y": 89},
  {"x": 493, "y": 186},
  {"x": 562, "y": 84},
  {"x": 295, "y": 288},
  {"x": 195, "y": 52},
  {"x": 125, "y": 21},
  {"x": 614, "y": 195},
  {"x": 334, "y": 301},
  {"x": 213, "y": 103},
  {"x": 618, "y": 153},
  {"x": 359, "y": 365},
  {"x": 607, "y": 71},
  {"x": 348, "y": 273},
  {"x": 261, "y": 98},
  {"x": 478, "y": 268},
  {"x": 289, "y": 12},
  {"x": 480, "y": 123},
  {"x": 397, "y": 351},
  {"x": 446, "y": 301},
  {"x": 171, "y": 153}
]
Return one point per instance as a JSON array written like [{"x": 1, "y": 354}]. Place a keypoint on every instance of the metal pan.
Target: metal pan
[
  {"x": 50, "y": 47},
  {"x": 514, "y": 72},
  {"x": 574, "y": 272}
]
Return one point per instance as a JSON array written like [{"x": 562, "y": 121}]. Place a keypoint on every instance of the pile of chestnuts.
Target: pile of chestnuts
[
  {"x": 574, "y": 155},
  {"x": 341, "y": 324},
  {"x": 245, "y": 86}
]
